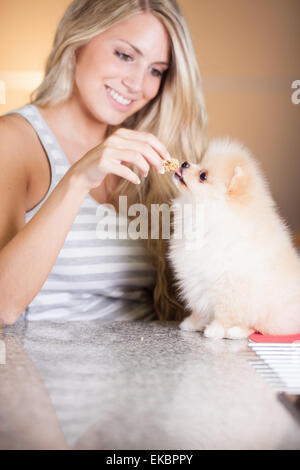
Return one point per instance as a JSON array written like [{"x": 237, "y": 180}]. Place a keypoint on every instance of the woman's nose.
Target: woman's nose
[
  {"x": 134, "y": 81},
  {"x": 134, "y": 86}
]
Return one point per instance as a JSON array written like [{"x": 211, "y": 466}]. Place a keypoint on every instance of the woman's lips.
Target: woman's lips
[{"x": 115, "y": 103}]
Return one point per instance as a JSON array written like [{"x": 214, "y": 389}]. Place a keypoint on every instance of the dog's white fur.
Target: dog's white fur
[{"x": 242, "y": 273}]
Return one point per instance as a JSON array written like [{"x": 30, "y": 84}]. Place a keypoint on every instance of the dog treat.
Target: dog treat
[{"x": 171, "y": 165}]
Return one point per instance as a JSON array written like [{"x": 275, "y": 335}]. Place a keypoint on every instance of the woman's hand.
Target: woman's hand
[{"x": 123, "y": 147}]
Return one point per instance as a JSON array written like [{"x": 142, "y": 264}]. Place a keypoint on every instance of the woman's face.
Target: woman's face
[{"x": 120, "y": 71}]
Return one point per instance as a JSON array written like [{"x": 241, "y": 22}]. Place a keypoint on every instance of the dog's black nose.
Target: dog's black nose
[{"x": 185, "y": 165}]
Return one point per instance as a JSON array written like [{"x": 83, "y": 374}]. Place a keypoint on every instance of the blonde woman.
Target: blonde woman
[{"x": 121, "y": 93}]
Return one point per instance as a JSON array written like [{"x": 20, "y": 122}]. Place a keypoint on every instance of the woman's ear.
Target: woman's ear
[
  {"x": 238, "y": 188},
  {"x": 78, "y": 51}
]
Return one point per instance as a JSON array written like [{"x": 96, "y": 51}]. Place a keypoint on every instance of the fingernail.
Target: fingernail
[
  {"x": 169, "y": 157},
  {"x": 138, "y": 181},
  {"x": 162, "y": 171}
]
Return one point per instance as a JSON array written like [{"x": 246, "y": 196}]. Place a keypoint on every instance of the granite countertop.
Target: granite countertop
[{"x": 134, "y": 385}]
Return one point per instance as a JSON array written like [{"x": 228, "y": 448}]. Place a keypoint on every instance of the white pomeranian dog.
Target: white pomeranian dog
[{"x": 234, "y": 261}]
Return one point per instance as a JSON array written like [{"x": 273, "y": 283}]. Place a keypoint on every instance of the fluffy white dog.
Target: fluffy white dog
[{"x": 236, "y": 267}]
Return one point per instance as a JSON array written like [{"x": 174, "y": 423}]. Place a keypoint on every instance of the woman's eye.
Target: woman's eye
[
  {"x": 123, "y": 56},
  {"x": 203, "y": 176},
  {"x": 156, "y": 73}
]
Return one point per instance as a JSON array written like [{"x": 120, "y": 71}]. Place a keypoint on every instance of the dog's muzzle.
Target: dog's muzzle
[{"x": 178, "y": 173}]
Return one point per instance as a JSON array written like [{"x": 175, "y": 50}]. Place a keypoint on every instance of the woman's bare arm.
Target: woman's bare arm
[
  {"x": 28, "y": 252},
  {"x": 27, "y": 259}
]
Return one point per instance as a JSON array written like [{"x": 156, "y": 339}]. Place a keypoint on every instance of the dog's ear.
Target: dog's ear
[{"x": 238, "y": 188}]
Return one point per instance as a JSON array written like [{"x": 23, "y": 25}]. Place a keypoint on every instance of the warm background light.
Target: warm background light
[{"x": 248, "y": 53}]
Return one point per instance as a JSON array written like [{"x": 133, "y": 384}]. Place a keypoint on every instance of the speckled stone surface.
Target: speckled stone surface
[{"x": 134, "y": 385}]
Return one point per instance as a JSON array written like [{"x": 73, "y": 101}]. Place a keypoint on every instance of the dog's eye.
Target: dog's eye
[{"x": 203, "y": 176}]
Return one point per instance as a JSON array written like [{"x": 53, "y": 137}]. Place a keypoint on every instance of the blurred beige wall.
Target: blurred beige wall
[{"x": 248, "y": 53}]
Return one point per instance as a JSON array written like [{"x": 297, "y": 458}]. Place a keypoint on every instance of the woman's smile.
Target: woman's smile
[
  {"x": 117, "y": 100},
  {"x": 119, "y": 71}
]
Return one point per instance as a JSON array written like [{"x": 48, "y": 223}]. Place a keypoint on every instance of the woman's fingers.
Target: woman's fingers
[
  {"x": 141, "y": 149},
  {"x": 123, "y": 146},
  {"x": 135, "y": 158},
  {"x": 128, "y": 156},
  {"x": 123, "y": 171},
  {"x": 147, "y": 138}
]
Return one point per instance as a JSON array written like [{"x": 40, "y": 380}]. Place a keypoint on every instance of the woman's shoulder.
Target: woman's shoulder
[
  {"x": 13, "y": 139},
  {"x": 11, "y": 126},
  {"x": 19, "y": 143},
  {"x": 16, "y": 135}
]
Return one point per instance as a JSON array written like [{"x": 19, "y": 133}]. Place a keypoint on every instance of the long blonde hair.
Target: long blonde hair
[{"x": 176, "y": 116}]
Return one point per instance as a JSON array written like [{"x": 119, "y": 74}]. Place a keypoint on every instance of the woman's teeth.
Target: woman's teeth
[{"x": 117, "y": 97}]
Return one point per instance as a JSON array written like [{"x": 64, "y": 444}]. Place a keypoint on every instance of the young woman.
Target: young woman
[{"x": 121, "y": 93}]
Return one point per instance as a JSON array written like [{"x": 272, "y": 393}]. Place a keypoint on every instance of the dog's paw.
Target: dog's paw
[
  {"x": 214, "y": 330},
  {"x": 188, "y": 324},
  {"x": 236, "y": 332}
]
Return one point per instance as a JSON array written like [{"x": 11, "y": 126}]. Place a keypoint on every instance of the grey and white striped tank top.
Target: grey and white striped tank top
[{"x": 92, "y": 278}]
